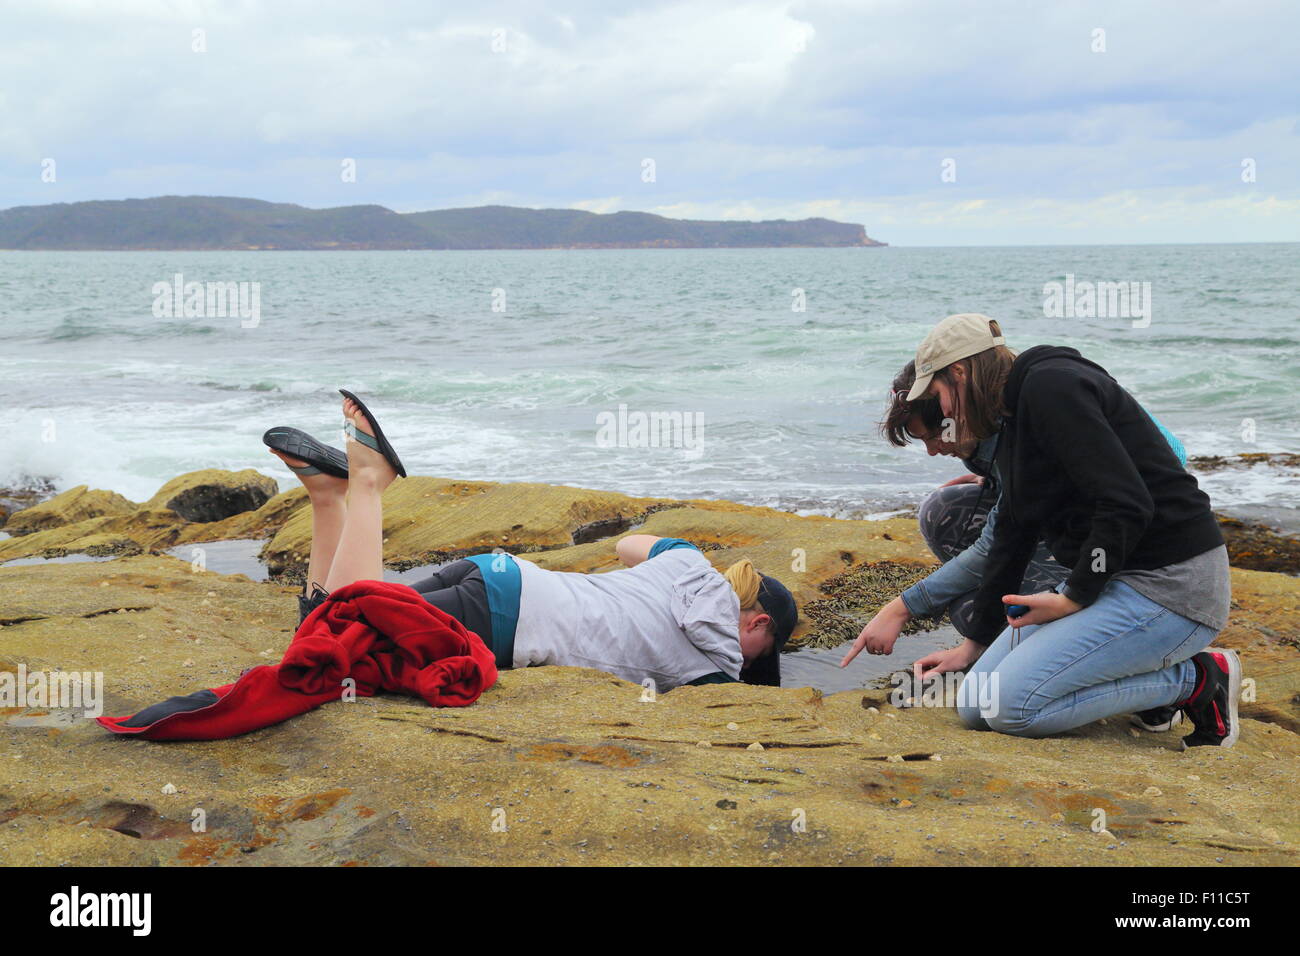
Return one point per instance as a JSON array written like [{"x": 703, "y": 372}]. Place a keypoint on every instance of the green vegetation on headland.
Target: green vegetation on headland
[
  {"x": 557, "y": 765},
  {"x": 219, "y": 222}
]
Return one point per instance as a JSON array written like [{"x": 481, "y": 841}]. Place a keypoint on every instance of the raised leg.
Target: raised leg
[
  {"x": 328, "y": 496},
  {"x": 359, "y": 555}
]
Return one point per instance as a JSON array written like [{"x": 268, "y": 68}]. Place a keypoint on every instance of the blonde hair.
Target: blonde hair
[{"x": 744, "y": 578}]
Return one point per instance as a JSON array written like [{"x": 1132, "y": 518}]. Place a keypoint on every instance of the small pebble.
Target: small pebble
[
  {"x": 704, "y": 743},
  {"x": 169, "y": 788},
  {"x": 755, "y": 746},
  {"x": 733, "y": 726}
]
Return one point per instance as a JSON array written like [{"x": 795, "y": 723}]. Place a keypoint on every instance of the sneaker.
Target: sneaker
[
  {"x": 1212, "y": 707},
  {"x": 1157, "y": 719},
  {"x": 307, "y": 604}
]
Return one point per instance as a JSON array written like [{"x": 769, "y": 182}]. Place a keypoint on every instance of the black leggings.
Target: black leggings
[
  {"x": 951, "y": 519},
  {"x": 458, "y": 589}
]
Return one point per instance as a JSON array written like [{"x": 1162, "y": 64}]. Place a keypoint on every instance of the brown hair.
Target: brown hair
[
  {"x": 899, "y": 411},
  {"x": 986, "y": 382}
]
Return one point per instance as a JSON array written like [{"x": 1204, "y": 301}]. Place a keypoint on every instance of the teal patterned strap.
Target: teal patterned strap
[{"x": 350, "y": 429}]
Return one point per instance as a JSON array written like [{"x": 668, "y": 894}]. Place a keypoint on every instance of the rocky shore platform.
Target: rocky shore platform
[{"x": 565, "y": 765}]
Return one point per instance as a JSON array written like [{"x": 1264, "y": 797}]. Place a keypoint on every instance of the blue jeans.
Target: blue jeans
[{"x": 1121, "y": 654}]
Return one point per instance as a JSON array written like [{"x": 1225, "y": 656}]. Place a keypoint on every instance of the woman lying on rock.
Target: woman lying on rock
[
  {"x": 665, "y": 620},
  {"x": 1085, "y": 468},
  {"x": 957, "y": 521}
]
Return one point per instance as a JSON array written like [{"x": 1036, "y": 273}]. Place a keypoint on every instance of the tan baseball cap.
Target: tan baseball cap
[{"x": 956, "y": 337}]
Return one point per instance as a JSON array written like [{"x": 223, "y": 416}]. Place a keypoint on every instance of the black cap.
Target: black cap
[{"x": 779, "y": 604}]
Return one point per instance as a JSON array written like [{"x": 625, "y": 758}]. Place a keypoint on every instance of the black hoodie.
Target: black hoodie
[{"x": 1084, "y": 466}]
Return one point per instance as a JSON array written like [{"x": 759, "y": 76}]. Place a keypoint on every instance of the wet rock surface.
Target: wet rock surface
[
  {"x": 1258, "y": 547},
  {"x": 154, "y": 526},
  {"x": 1212, "y": 463},
  {"x": 72, "y": 506},
  {"x": 30, "y": 492},
  {"x": 211, "y": 495}
]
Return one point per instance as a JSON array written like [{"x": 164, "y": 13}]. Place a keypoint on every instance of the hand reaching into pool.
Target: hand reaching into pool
[{"x": 941, "y": 662}]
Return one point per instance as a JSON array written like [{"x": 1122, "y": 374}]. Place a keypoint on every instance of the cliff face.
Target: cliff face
[
  {"x": 569, "y": 765},
  {"x": 218, "y": 222}
]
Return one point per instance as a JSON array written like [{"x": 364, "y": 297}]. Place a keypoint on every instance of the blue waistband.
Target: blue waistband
[{"x": 503, "y": 585}]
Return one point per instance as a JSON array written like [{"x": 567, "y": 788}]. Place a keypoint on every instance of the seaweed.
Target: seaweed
[{"x": 853, "y": 597}]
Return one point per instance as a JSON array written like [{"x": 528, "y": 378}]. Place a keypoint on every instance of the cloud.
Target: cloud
[{"x": 747, "y": 108}]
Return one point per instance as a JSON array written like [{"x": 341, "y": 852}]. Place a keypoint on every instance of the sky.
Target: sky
[{"x": 937, "y": 124}]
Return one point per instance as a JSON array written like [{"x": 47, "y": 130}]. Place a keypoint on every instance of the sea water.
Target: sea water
[{"x": 538, "y": 365}]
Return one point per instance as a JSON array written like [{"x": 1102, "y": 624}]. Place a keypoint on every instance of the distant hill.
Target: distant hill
[
  {"x": 205, "y": 222},
  {"x": 219, "y": 222},
  {"x": 508, "y": 227}
]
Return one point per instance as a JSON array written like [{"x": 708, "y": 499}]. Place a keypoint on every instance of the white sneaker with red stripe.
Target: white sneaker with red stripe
[{"x": 1212, "y": 707}]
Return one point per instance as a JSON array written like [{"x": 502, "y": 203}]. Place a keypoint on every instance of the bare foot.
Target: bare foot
[
  {"x": 365, "y": 465},
  {"x": 321, "y": 487}
]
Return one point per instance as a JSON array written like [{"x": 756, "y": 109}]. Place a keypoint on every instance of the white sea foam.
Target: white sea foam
[{"x": 789, "y": 400}]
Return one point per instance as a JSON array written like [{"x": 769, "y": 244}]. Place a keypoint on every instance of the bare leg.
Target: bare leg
[
  {"x": 328, "y": 496},
  {"x": 360, "y": 552}
]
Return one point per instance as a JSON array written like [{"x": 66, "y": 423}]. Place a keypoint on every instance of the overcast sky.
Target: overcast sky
[{"x": 748, "y": 110}]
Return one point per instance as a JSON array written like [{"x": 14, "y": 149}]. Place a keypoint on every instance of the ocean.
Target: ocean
[
  {"x": 519, "y": 365},
  {"x": 768, "y": 368}
]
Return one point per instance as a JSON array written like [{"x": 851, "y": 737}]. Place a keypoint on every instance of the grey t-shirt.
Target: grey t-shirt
[
  {"x": 1198, "y": 588},
  {"x": 670, "y": 619}
]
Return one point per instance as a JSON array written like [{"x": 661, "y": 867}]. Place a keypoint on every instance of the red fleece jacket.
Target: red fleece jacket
[{"x": 383, "y": 635}]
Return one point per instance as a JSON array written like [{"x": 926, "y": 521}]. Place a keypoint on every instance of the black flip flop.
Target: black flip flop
[
  {"x": 379, "y": 443},
  {"x": 320, "y": 458}
]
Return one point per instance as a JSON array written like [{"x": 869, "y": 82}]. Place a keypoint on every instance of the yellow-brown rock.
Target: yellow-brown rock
[
  {"x": 154, "y": 527},
  {"x": 563, "y": 765},
  {"x": 213, "y": 494},
  {"x": 431, "y": 519},
  {"x": 68, "y": 508}
]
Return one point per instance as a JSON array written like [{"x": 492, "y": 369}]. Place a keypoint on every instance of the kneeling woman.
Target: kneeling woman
[
  {"x": 1086, "y": 468},
  {"x": 665, "y": 620}
]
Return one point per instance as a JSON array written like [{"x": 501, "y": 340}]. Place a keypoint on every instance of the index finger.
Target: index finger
[{"x": 854, "y": 651}]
